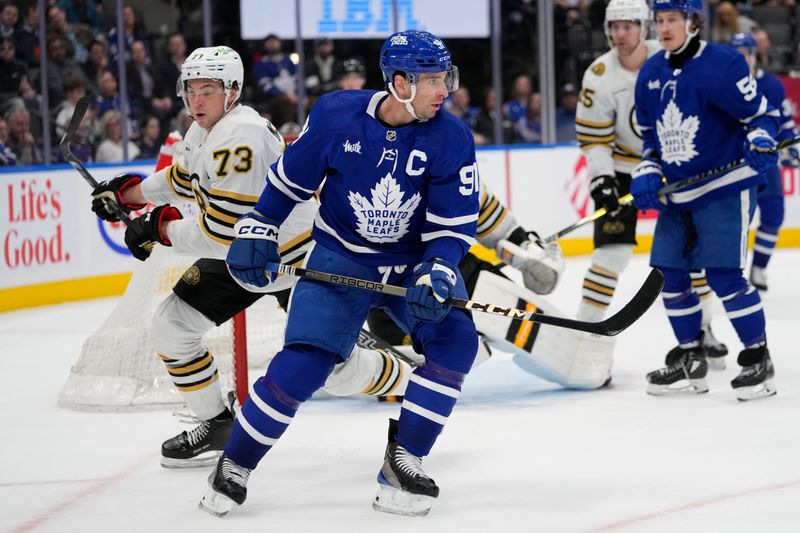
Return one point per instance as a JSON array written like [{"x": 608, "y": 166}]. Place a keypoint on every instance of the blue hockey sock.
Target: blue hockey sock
[
  {"x": 683, "y": 306},
  {"x": 429, "y": 399},
  {"x": 292, "y": 377},
  {"x": 766, "y": 239},
  {"x": 742, "y": 304}
]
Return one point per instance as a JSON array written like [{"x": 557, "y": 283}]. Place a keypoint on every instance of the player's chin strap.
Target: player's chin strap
[{"x": 407, "y": 101}]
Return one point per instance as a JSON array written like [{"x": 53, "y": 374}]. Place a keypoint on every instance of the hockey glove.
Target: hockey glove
[
  {"x": 433, "y": 283},
  {"x": 647, "y": 180},
  {"x": 790, "y": 157},
  {"x": 540, "y": 264},
  {"x": 149, "y": 228},
  {"x": 759, "y": 151},
  {"x": 111, "y": 191},
  {"x": 253, "y": 249},
  {"x": 605, "y": 193}
]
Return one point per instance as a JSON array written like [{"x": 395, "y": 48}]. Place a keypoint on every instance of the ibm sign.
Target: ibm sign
[{"x": 364, "y": 19}]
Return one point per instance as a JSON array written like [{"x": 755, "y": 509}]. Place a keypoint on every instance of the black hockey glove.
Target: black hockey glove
[
  {"x": 111, "y": 191},
  {"x": 605, "y": 192},
  {"x": 148, "y": 229}
]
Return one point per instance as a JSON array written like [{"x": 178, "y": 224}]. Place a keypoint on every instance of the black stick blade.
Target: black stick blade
[{"x": 636, "y": 307}]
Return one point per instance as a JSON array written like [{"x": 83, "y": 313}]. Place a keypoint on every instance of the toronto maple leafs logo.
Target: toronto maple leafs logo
[
  {"x": 676, "y": 135},
  {"x": 386, "y": 217}
]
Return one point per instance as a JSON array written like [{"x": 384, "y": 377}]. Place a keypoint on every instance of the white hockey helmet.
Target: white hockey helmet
[
  {"x": 220, "y": 63},
  {"x": 634, "y": 10}
]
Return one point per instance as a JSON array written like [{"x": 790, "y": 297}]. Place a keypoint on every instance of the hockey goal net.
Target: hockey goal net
[{"x": 118, "y": 368}]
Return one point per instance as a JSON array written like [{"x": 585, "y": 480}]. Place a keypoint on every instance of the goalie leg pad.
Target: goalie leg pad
[
  {"x": 568, "y": 358},
  {"x": 373, "y": 372}
]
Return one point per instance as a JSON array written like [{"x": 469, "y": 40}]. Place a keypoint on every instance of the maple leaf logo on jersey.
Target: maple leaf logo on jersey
[
  {"x": 676, "y": 135},
  {"x": 386, "y": 217}
]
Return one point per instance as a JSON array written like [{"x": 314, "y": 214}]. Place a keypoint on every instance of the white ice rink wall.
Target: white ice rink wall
[{"x": 54, "y": 249}]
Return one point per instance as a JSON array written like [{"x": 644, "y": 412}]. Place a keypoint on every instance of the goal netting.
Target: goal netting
[{"x": 118, "y": 368}]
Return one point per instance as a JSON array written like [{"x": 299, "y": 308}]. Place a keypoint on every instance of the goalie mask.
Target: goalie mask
[
  {"x": 630, "y": 10},
  {"x": 412, "y": 53},
  {"x": 219, "y": 63}
]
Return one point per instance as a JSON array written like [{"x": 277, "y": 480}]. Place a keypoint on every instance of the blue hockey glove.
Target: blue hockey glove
[
  {"x": 255, "y": 246},
  {"x": 759, "y": 150},
  {"x": 647, "y": 180},
  {"x": 434, "y": 282},
  {"x": 790, "y": 157}
]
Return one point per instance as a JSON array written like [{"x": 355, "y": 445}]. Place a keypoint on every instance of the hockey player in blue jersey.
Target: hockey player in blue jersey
[
  {"x": 770, "y": 195},
  {"x": 699, "y": 108},
  {"x": 399, "y": 205}
]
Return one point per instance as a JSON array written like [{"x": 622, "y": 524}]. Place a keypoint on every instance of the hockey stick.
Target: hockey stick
[
  {"x": 613, "y": 325},
  {"x": 77, "y": 116},
  {"x": 665, "y": 190}
]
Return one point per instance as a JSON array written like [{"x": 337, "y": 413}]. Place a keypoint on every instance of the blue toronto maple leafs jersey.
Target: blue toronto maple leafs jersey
[
  {"x": 697, "y": 117},
  {"x": 391, "y": 195},
  {"x": 771, "y": 86}
]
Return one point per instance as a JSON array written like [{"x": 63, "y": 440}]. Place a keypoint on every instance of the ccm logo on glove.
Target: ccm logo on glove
[{"x": 262, "y": 232}]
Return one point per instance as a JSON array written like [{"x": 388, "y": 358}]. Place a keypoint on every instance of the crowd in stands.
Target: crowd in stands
[{"x": 83, "y": 60}]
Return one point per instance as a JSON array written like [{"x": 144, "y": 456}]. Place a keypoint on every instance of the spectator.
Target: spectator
[
  {"x": 353, "y": 76},
  {"x": 77, "y": 35},
  {"x": 32, "y": 102},
  {"x": 145, "y": 87},
  {"x": 8, "y": 19},
  {"x": 75, "y": 89},
  {"x": 108, "y": 99},
  {"x": 26, "y": 38},
  {"x": 11, "y": 72},
  {"x": 529, "y": 128},
  {"x": 170, "y": 68},
  {"x": 323, "y": 69},
  {"x": 96, "y": 63},
  {"x": 82, "y": 143},
  {"x": 83, "y": 12},
  {"x": 20, "y": 139},
  {"x": 150, "y": 143},
  {"x": 110, "y": 149},
  {"x": 133, "y": 30},
  {"x": 521, "y": 90},
  {"x": 59, "y": 66},
  {"x": 565, "y": 114},
  {"x": 764, "y": 56},
  {"x": 7, "y": 157},
  {"x": 484, "y": 124},
  {"x": 274, "y": 72},
  {"x": 458, "y": 104},
  {"x": 728, "y": 21}
]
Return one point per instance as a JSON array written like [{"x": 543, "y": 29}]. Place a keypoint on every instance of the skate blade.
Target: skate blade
[
  {"x": 762, "y": 390},
  {"x": 215, "y": 503},
  {"x": 202, "y": 460},
  {"x": 716, "y": 363},
  {"x": 395, "y": 501},
  {"x": 693, "y": 386}
]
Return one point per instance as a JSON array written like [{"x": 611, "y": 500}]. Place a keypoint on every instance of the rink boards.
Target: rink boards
[{"x": 54, "y": 249}]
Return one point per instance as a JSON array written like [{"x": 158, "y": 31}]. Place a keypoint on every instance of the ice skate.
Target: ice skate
[
  {"x": 715, "y": 350},
  {"x": 199, "y": 447},
  {"x": 685, "y": 372},
  {"x": 404, "y": 488},
  {"x": 227, "y": 487},
  {"x": 758, "y": 278},
  {"x": 756, "y": 378}
]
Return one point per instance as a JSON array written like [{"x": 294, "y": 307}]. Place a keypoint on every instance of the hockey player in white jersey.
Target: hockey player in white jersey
[
  {"x": 399, "y": 206},
  {"x": 610, "y": 139},
  {"x": 220, "y": 166},
  {"x": 700, "y": 109}
]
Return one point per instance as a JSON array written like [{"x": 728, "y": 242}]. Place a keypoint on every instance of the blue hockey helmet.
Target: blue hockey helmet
[
  {"x": 416, "y": 52},
  {"x": 743, "y": 40},
  {"x": 687, "y": 7}
]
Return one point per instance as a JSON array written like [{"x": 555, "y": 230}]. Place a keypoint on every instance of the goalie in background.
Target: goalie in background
[{"x": 220, "y": 166}]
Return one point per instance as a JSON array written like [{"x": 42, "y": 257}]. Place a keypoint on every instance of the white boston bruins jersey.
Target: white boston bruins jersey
[
  {"x": 606, "y": 116},
  {"x": 223, "y": 171}
]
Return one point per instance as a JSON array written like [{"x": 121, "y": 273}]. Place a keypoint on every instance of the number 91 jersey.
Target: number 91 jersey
[{"x": 223, "y": 171}]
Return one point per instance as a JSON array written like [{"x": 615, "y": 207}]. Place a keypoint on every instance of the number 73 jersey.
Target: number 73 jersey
[{"x": 223, "y": 171}]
